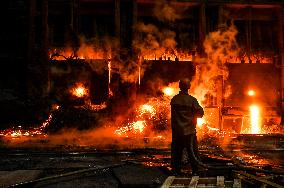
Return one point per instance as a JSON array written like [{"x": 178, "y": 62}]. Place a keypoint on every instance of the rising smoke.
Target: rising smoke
[
  {"x": 220, "y": 47},
  {"x": 165, "y": 11}
]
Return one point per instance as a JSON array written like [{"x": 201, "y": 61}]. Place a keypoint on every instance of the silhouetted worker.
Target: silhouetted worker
[{"x": 185, "y": 110}]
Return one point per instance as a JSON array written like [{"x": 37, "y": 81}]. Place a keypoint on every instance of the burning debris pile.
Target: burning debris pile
[{"x": 21, "y": 132}]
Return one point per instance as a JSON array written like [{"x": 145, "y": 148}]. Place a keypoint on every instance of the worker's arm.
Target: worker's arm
[{"x": 198, "y": 110}]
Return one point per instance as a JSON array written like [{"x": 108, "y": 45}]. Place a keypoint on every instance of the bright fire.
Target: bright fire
[
  {"x": 255, "y": 119},
  {"x": 254, "y": 58},
  {"x": 168, "y": 91},
  {"x": 143, "y": 118},
  {"x": 79, "y": 91},
  {"x": 200, "y": 122},
  {"x": 18, "y": 132},
  {"x": 84, "y": 52},
  {"x": 175, "y": 55},
  {"x": 251, "y": 92},
  {"x": 139, "y": 126},
  {"x": 146, "y": 108},
  {"x": 135, "y": 127},
  {"x": 171, "y": 90}
]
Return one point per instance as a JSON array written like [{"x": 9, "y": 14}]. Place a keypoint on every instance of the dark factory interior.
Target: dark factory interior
[{"x": 86, "y": 90}]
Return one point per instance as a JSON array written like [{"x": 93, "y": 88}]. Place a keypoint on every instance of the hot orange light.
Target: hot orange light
[
  {"x": 255, "y": 119},
  {"x": 139, "y": 126},
  {"x": 139, "y": 75},
  {"x": 251, "y": 92},
  {"x": 146, "y": 108},
  {"x": 200, "y": 122},
  {"x": 168, "y": 91},
  {"x": 181, "y": 56},
  {"x": 79, "y": 91}
]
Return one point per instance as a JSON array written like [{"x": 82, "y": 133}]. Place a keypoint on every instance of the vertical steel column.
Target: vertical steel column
[
  {"x": 134, "y": 19},
  {"x": 202, "y": 28},
  {"x": 221, "y": 15},
  {"x": 44, "y": 49},
  {"x": 281, "y": 58},
  {"x": 31, "y": 46},
  {"x": 75, "y": 16},
  {"x": 32, "y": 15},
  {"x": 117, "y": 19}
]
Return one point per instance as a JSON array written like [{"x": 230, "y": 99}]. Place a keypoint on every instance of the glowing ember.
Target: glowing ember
[
  {"x": 139, "y": 126},
  {"x": 144, "y": 115},
  {"x": 95, "y": 107},
  {"x": 200, "y": 122},
  {"x": 251, "y": 92},
  {"x": 135, "y": 127},
  {"x": 255, "y": 119},
  {"x": 19, "y": 132},
  {"x": 80, "y": 91},
  {"x": 47, "y": 122},
  {"x": 146, "y": 108}
]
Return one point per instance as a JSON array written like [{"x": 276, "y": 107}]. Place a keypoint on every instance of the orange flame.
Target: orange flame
[
  {"x": 180, "y": 56},
  {"x": 146, "y": 108},
  {"x": 251, "y": 92},
  {"x": 85, "y": 52},
  {"x": 254, "y": 58},
  {"x": 171, "y": 90},
  {"x": 139, "y": 126},
  {"x": 168, "y": 91},
  {"x": 79, "y": 90},
  {"x": 135, "y": 127},
  {"x": 200, "y": 122},
  {"x": 95, "y": 107},
  {"x": 19, "y": 132}
]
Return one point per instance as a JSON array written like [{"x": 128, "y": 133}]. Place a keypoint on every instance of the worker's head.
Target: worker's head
[{"x": 184, "y": 84}]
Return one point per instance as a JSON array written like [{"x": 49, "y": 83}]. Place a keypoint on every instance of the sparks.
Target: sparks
[
  {"x": 146, "y": 108},
  {"x": 139, "y": 126},
  {"x": 172, "y": 56}
]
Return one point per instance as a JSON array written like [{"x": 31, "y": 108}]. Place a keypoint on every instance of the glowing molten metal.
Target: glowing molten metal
[{"x": 255, "y": 119}]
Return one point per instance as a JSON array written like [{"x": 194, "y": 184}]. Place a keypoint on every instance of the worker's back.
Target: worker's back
[{"x": 184, "y": 112}]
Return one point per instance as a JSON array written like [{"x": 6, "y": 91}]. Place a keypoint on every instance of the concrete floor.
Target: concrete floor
[
  {"x": 79, "y": 169},
  {"x": 65, "y": 166}
]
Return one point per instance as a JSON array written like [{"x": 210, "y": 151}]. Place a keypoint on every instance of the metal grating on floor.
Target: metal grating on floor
[{"x": 197, "y": 182}]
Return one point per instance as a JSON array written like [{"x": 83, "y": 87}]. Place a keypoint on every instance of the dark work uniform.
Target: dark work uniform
[{"x": 185, "y": 110}]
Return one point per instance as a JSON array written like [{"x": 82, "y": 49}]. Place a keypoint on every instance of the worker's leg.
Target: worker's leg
[
  {"x": 191, "y": 147},
  {"x": 176, "y": 154},
  {"x": 195, "y": 146}
]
